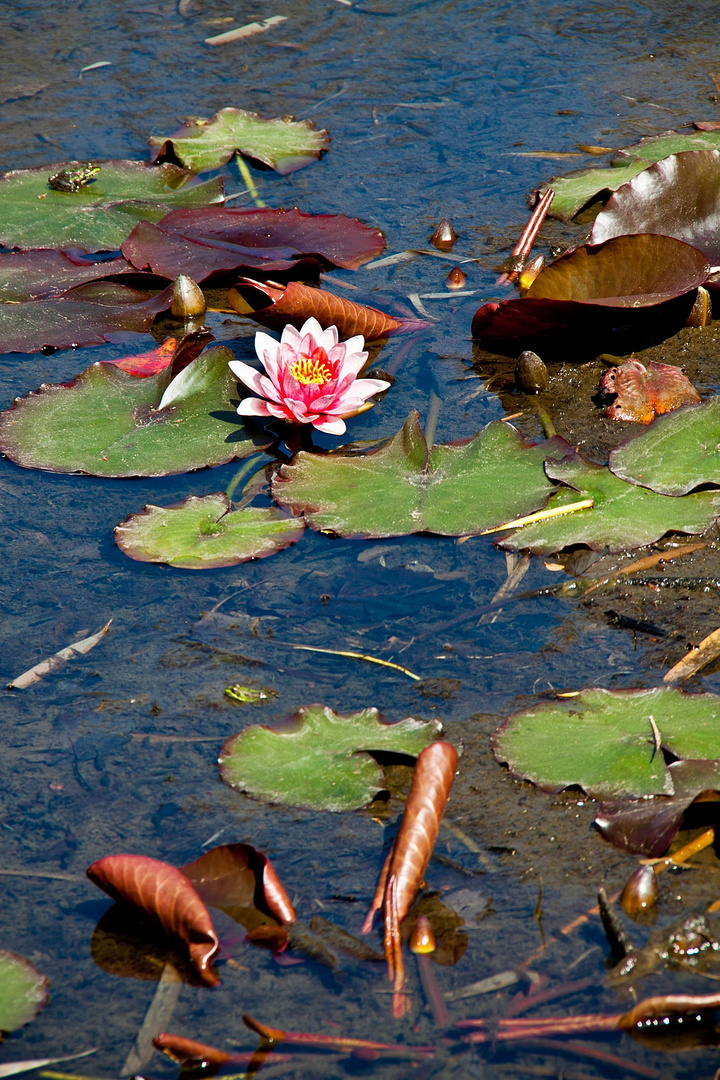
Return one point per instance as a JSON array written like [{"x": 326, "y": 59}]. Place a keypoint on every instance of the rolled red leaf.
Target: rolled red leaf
[
  {"x": 165, "y": 894},
  {"x": 341, "y": 1043},
  {"x": 238, "y": 875},
  {"x": 432, "y": 779},
  {"x": 295, "y": 303},
  {"x": 187, "y": 1051}
]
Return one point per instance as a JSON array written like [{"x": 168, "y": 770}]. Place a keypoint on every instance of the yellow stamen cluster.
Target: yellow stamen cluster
[{"x": 312, "y": 369}]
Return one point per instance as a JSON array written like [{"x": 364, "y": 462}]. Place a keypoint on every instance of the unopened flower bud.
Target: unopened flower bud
[
  {"x": 444, "y": 236},
  {"x": 188, "y": 301},
  {"x": 422, "y": 939},
  {"x": 455, "y": 279},
  {"x": 640, "y": 892}
]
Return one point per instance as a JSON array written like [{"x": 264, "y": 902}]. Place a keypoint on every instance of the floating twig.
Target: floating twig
[
  {"x": 245, "y": 31},
  {"x": 357, "y": 656},
  {"x": 541, "y": 515},
  {"x": 527, "y": 238},
  {"x": 59, "y": 660},
  {"x": 698, "y": 657}
]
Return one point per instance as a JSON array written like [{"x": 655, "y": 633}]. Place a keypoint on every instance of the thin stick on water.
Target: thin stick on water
[
  {"x": 156, "y": 1020},
  {"x": 541, "y": 515},
  {"x": 357, "y": 656}
]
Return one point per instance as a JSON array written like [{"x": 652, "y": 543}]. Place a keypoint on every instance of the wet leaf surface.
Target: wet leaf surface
[
  {"x": 212, "y": 240},
  {"x": 402, "y": 488},
  {"x": 89, "y": 314},
  {"x": 676, "y": 454},
  {"x": 679, "y": 196},
  {"x": 644, "y": 391},
  {"x": 627, "y": 271},
  {"x": 165, "y": 894},
  {"x": 281, "y": 143},
  {"x": 237, "y": 878},
  {"x": 574, "y": 191},
  {"x": 318, "y": 759},
  {"x": 204, "y": 531},
  {"x": 109, "y": 423},
  {"x": 32, "y": 275},
  {"x": 23, "y": 991},
  {"x": 603, "y": 741},
  {"x": 623, "y": 516},
  {"x": 101, "y": 214},
  {"x": 648, "y": 826},
  {"x": 295, "y": 303}
]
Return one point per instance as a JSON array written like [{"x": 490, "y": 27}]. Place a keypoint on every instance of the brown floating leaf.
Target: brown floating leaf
[
  {"x": 295, "y": 303},
  {"x": 166, "y": 895},
  {"x": 408, "y": 860},
  {"x": 59, "y": 660},
  {"x": 644, "y": 392},
  {"x": 698, "y": 657},
  {"x": 328, "y": 1042},
  {"x": 237, "y": 876}
]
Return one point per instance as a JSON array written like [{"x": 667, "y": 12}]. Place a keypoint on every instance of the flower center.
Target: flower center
[{"x": 313, "y": 369}]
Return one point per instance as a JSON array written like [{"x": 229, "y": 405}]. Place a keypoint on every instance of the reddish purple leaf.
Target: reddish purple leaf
[
  {"x": 648, "y": 826},
  {"x": 642, "y": 392},
  {"x": 236, "y": 876},
  {"x": 165, "y": 894},
  {"x": 214, "y": 239},
  {"x": 37, "y": 273}
]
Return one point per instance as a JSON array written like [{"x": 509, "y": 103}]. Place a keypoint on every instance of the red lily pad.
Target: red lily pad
[
  {"x": 276, "y": 307},
  {"x": 241, "y": 881},
  {"x": 648, "y": 826},
  {"x": 172, "y": 353},
  {"x": 642, "y": 392},
  {"x": 678, "y": 196},
  {"x": 89, "y": 314},
  {"x": 213, "y": 240},
  {"x": 33, "y": 275}
]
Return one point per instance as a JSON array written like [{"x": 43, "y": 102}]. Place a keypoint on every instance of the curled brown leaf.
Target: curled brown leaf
[
  {"x": 234, "y": 876},
  {"x": 165, "y": 894}
]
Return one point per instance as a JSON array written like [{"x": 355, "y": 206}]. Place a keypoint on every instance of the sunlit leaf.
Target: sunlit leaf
[
  {"x": 401, "y": 488},
  {"x": 679, "y": 196},
  {"x": 101, "y": 214},
  {"x": 281, "y": 142},
  {"x": 295, "y": 303},
  {"x": 622, "y": 517},
  {"x": 644, "y": 391},
  {"x": 109, "y": 423},
  {"x": 677, "y": 452},
  {"x": 238, "y": 879},
  {"x": 204, "y": 532},
  {"x": 318, "y": 758},
  {"x": 603, "y": 740},
  {"x": 648, "y": 826},
  {"x": 204, "y": 242},
  {"x": 23, "y": 991},
  {"x": 573, "y": 191},
  {"x": 89, "y": 314}
]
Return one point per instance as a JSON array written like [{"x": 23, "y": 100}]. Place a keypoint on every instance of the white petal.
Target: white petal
[
  {"x": 352, "y": 363},
  {"x": 291, "y": 336},
  {"x": 247, "y": 375},
  {"x": 311, "y": 326},
  {"x": 252, "y": 406},
  {"x": 366, "y": 387},
  {"x": 268, "y": 351},
  {"x": 330, "y": 427}
]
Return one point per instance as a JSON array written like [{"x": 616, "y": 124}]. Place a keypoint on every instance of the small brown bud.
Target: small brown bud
[
  {"x": 455, "y": 279},
  {"x": 701, "y": 312},
  {"x": 640, "y": 892},
  {"x": 188, "y": 301},
  {"x": 422, "y": 939},
  {"x": 444, "y": 236},
  {"x": 531, "y": 375},
  {"x": 530, "y": 271}
]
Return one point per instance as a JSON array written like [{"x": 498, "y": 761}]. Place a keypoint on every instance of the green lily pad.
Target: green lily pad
[
  {"x": 574, "y": 191},
  {"x": 622, "y": 517},
  {"x": 676, "y": 453},
  {"x": 282, "y": 143},
  {"x": 319, "y": 759},
  {"x": 403, "y": 488},
  {"x": 201, "y": 533},
  {"x": 109, "y": 423},
  {"x": 101, "y": 214},
  {"x": 23, "y": 991},
  {"x": 603, "y": 740}
]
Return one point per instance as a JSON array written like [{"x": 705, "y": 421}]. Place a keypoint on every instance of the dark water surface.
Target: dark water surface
[{"x": 431, "y": 106}]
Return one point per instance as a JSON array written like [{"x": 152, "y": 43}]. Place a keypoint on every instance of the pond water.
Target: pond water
[{"x": 436, "y": 109}]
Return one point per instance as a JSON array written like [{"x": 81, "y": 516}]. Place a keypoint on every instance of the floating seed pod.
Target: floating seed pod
[
  {"x": 640, "y": 892},
  {"x": 422, "y": 939},
  {"x": 701, "y": 312},
  {"x": 455, "y": 279},
  {"x": 444, "y": 236},
  {"x": 530, "y": 271},
  {"x": 531, "y": 375},
  {"x": 188, "y": 301}
]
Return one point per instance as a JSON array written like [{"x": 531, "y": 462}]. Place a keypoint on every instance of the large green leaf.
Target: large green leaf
[
  {"x": 317, "y": 759},
  {"x": 623, "y": 516},
  {"x": 573, "y": 191},
  {"x": 23, "y": 991},
  {"x": 401, "y": 488},
  {"x": 109, "y": 423},
  {"x": 282, "y": 143},
  {"x": 676, "y": 453},
  {"x": 201, "y": 533},
  {"x": 103, "y": 212},
  {"x": 603, "y": 740}
]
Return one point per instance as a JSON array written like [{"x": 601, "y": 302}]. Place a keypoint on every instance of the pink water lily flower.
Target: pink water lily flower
[{"x": 311, "y": 377}]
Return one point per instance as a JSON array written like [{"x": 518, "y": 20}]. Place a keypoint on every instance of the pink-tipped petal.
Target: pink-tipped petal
[
  {"x": 247, "y": 375},
  {"x": 365, "y": 388},
  {"x": 269, "y": 352},
  {"x": 252, "y": 406},
  {"x": 312, "y": 327},
  {"x": 330, "y": 426}
]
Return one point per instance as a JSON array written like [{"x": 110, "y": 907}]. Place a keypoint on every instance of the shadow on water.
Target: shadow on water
[{"x": 433, "y": 107}]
